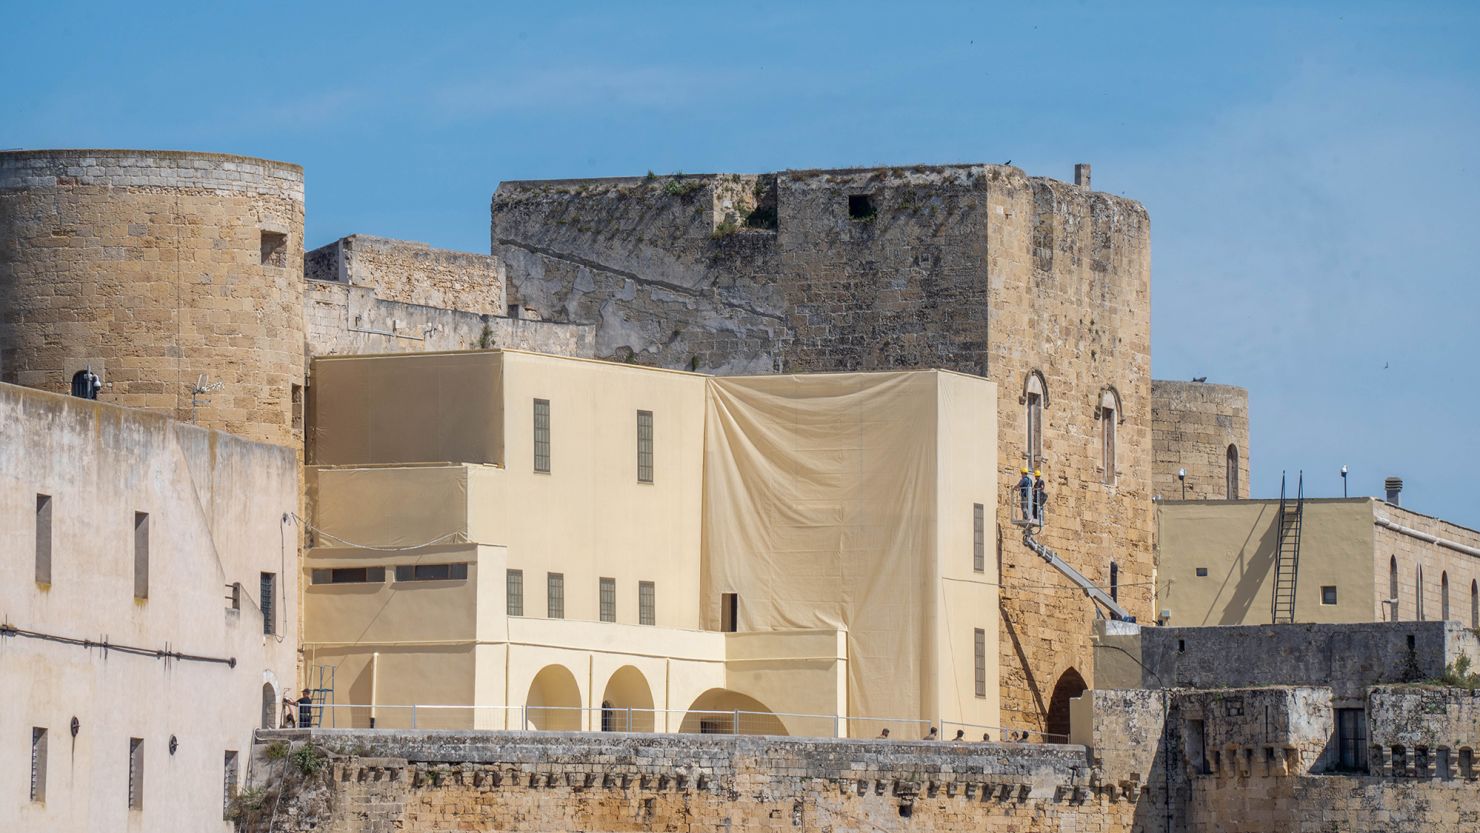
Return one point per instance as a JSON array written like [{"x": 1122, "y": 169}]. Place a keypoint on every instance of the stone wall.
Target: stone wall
[
  {"x": 1424, "y": 732},
  {"x": 412, "y": 273},
  {"x": 1427, "y": 558},
  {"x": 1193, "y": 426},
  {"x": 436, "y": 781},
  {"x": 341, "y": 319},
  {"x": 1348, "y": 658},
  {"x": 154, "y": 269},
  {"x": 974, "y": 268}
]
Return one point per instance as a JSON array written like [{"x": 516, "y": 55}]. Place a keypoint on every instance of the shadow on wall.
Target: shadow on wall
[{"x": 1257, "y": 565}]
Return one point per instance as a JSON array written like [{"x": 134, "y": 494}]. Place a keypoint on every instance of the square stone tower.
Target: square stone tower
[{"x": 1040, "y": 285}]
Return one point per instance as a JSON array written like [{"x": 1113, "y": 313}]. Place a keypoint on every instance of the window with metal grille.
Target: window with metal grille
[
  {"x": 349, "y": 575},
  {"x": 136, "y": 773},
  {"x": 141, "y": 555},
  {"x": 555, "y": 595},
  {"x": 608, "y": 589},
  {"x": 43, "y": 539},
  {"x": 228, "y": 786},
  {"x": 647, "y": 610},
  {"x": 644, "y": 446},
  {"x": 1351, "y": 740},
  {"x": 514, "y": 592},
  {"x": 981, "y": 661},
  {"x": 432, "y": 572},
  {"x": 38, "y": 764},
  {"x": 979, "y": 537},
  {"x": 268, "y": 601},
  {"x": 542, "y": 435}
]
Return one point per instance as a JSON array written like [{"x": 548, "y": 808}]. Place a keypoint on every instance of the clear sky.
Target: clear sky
[{"x": 1307, "y": 166}]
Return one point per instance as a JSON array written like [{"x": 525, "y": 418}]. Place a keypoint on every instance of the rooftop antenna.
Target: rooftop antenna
[{"x": 199, "y": 389}]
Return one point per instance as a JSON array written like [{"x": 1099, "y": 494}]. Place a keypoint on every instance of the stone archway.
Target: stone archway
[
  {"x": 1069, "y": 686},
  {"x": 554, "y": 701},
  {"x": 717, "y": 711}
]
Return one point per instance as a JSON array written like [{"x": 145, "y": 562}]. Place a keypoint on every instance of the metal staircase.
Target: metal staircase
[{"x": 1287, "y": 553}]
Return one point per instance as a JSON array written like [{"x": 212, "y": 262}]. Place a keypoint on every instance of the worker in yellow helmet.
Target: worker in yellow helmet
[
  {"x": 1025, "y": 494},
  {"x": 1040, "y": 496}
]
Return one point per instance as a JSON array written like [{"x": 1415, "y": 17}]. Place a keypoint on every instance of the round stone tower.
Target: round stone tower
[{"x": 175, "y": 279}]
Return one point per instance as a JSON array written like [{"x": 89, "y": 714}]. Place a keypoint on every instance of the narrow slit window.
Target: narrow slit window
[
  {"x": 980, "y": 641},
  {"x": 141, "y": 555},
  {"x": 608, "y": 593},
  {"x": 979, "y": 537},
  {"x": 268, "y": 602},
  {"x": 136, "y": 773},
  {"x": 514, "y": 591},
  {"x": 43, "y": 539},
  {"x": 729, "y": 612},
  {"x": 1109, "y": 425},
  {"x": 542, "y": 435},
  {"x": 647, "y": 611},
  {"x": 644, "y": 446},
  {"x": 1232, "y": 474},
  {"x": 555, "y": 595},
  {"x": 1114, "y": 582},
  {"x": 38, "y": 764}
]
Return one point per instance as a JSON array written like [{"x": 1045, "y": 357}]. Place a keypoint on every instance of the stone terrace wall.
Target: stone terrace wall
[
  {"x": 412, "y": 273},
  {"x": 1347, "y": 657},
  {"x": 973, "y": 268},
  {"x": 1192, "y": 426},
  {"x": 434, "y": 781}
]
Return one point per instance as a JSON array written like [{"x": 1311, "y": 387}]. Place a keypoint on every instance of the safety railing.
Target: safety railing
[{"x": 636, "y": 720}]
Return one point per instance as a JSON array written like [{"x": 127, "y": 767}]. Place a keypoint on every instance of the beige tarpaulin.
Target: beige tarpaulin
[{"x": 819, "y": 511}]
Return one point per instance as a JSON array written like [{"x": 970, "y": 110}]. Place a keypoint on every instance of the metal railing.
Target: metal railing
[{"x": 637, "y": 720}]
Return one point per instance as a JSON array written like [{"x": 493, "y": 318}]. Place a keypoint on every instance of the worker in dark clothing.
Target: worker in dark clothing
[
  {"x": 1040, "y": 496},
  {"x": 305, "y": 710},
  {"x": 1025, "y": 494}
]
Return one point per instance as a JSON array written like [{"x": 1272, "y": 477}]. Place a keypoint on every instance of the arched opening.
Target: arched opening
[
  {"x": 1035, "y": 399},
  {"x": 269, "y": 707},
  {"x": 1109, "y": 424},
  {"x": 554, "y": 701},
  {"x": 1232, "y": 474},
  {"x": 627, "y": 705},
  {"x": 1069, "y": 686},
  {"x": 85, "y": 384},
  {"x": 720, "y": 711},
  {"x": 1444, "y": 596},
  {"x": 1418, "y": 593},
  {"x": 1393, "y": 586}
]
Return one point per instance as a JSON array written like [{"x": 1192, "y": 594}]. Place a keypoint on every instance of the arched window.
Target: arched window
[
  {"x": 1444, "y": 596},
  {"x": 1393, "y": 586},
  {"x": 85, "y": 384},
  {"x": 1114, "y": 581},
  {"x": 1110, "y": 417},
  {"x": 1475, "y": 604},
  {"x": 1418, "y": 593},
  {"x": 1035, "y": 399},
  {"x": 1232, "y": 474}
]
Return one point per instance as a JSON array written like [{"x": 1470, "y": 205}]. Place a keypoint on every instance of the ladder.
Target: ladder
[{"x": 1287, "y": 553}]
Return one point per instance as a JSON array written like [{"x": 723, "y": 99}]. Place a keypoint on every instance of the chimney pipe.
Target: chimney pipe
[
  {"x": 1081, "y": 175},
  {"x": 1394, "y": 490}
]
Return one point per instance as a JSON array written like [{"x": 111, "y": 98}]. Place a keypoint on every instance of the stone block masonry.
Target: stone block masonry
[
  {"x": 1204, "y": 430},
  {"x": 974, "y": 268}
]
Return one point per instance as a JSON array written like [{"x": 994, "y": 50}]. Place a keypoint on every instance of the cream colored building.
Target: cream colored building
[
  {"x": 1361, "y": 560},
  {"x": 533, "y": 541},
  {"x": 148, "y": 594}
]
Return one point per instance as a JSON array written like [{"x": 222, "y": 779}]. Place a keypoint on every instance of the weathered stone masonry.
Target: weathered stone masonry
[
  {"x": 1194, "y": 424},
  {"x": 975, "y": 268}
]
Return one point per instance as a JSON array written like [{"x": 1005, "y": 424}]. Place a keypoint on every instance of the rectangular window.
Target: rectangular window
[
  {"x": 979, "y": 537},
  {"x": 647, "y": 609},
  {"x": 141, "y": 555},
  {"x": 228, "y": 785},
  {"x": 43, "y": 539},
  {"x": 608, "y": 600},
  {"x": 644, "y": 446},
  {"x": 514, "y": 592},
  {"x": 729, "y": 612},
  {"x": 432, "y": 572},
  {"x": 981, "y": 662},
  {"x": 555, "y": 595},
  {"x": 1202, "y": 572},
  {"x": 1351, "y": 739},
  {"x": 542, "y": 435},
  {"x": 1328, "y": 595},
  {"x": 268, "y": 600},
  {"x": 136, "y": 773},
  {"x": 38, "y": 764},
  {"x": 349, "y": 575},
  {"x": 1196, "y": 746},
  {"x": 274, "y": 249}
]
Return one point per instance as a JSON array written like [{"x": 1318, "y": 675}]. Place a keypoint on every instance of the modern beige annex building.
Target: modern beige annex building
[
  {"x": 148, "y": 593},
  {"x": 1361, "y": 560},
  {"x": 536, "y": 541}
]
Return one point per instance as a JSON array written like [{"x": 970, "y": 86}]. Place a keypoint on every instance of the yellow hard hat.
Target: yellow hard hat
[
  {"x": 1037, "y": 473},
  {"x": 1025, "y": 469}
]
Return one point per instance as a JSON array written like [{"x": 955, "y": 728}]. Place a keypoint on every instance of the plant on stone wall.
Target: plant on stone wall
[
  {"x": 485, "y": 339},
  {"x": 309, "y": 760},
  {"x": 248, "y": 806},
  {"x": 725, "y": 229},
  {"x": 277, "y": 750},
  {"x": 1457, "y": 674},
  {"x": 678, "y": 186}
]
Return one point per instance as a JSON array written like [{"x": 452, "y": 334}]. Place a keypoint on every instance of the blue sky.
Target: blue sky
[{"x": 1307, "y": 166}]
